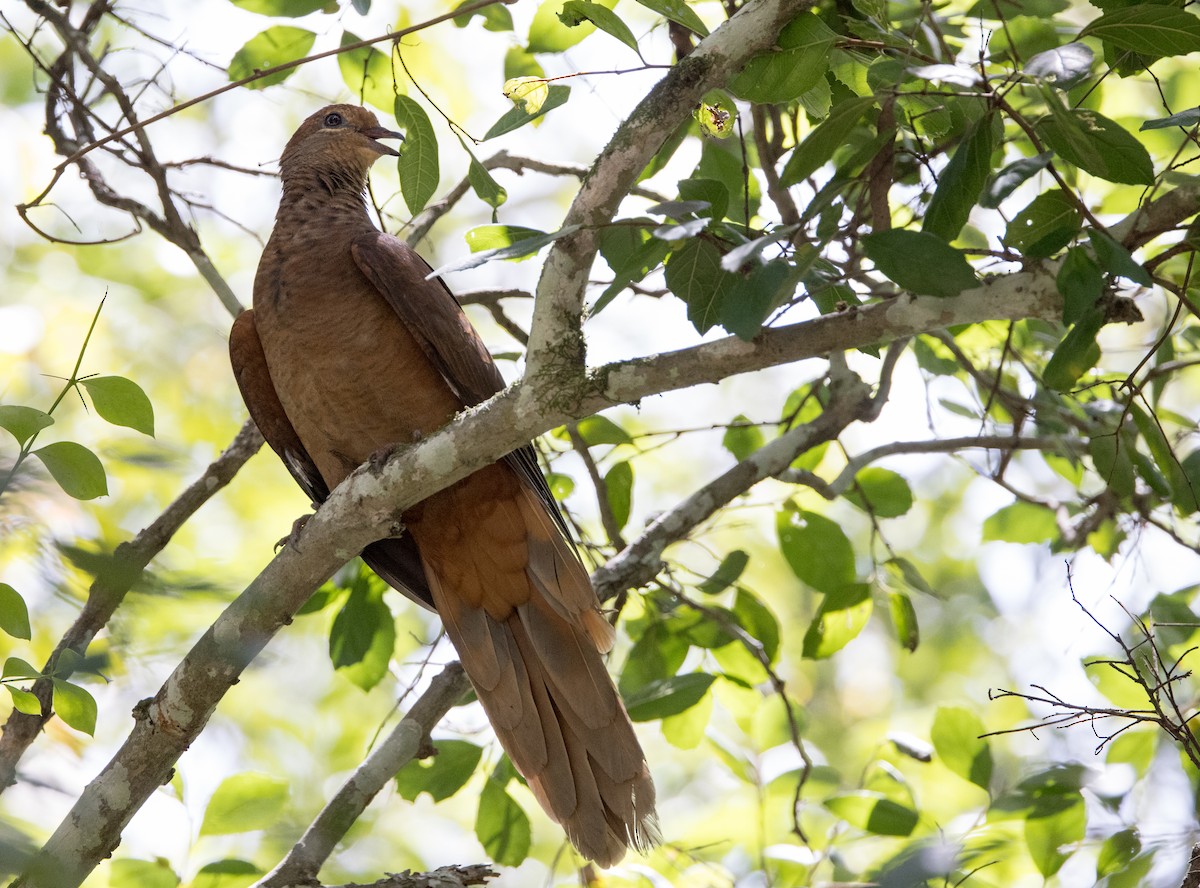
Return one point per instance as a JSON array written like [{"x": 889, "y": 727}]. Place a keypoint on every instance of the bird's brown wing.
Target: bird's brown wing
[
  {"x": 396, "y": 560},
  {"x": 437, "y": 322}
]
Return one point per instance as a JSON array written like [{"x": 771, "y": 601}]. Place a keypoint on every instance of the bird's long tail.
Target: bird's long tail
[{"x": 520, "y": 610}]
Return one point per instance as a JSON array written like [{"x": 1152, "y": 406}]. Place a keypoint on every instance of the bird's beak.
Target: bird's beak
[{"x": 375, "y": 133}]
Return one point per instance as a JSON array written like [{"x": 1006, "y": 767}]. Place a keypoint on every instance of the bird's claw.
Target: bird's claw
[{"x": 290, "y": 539}]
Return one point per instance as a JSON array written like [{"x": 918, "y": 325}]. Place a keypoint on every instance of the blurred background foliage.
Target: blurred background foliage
[{"x": 887, "y": 613}]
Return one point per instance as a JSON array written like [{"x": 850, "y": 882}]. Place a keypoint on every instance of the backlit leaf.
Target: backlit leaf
[
  {"x": 440, "y": 775},
  {"x": 669, "y": 696},
  {"x": 122, "y": 402},
  {"x": 14, "y": 614},
  {"x": 272, "y": 47},
  {"x": 501, "y": 826},
  {"x": 23, "y": 422},
  {"x": 840, "y": 618},
  {"x": 368, "y": 73},
  {"x": 418, "y": 164},
  {"x": 956, "y": 738},
  {"x": 244, "y": 802},
  {"x": 817, "y": 549},
  {"x": 618, "y": 490},
  {"x": 874, "y": 813},
  {"x": 76, "y": 469},
  {"x": 818, "y": 146},
  {"x": 575, "y": 12},
  {"x": 75, "y": 706}
]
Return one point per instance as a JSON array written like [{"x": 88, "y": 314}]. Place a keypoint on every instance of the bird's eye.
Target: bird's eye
[{"x": 333, "y": 119}]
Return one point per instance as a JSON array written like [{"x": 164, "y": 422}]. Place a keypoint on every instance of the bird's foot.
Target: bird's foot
[{"x": 290, "y": 539}]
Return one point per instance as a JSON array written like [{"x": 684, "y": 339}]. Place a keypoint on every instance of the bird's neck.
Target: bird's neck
[{"x": 325, "y": 194}]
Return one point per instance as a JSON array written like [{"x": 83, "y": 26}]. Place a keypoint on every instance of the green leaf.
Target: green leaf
[
  {"x": 498, "y": 237},
  {"x": 693, "y": 273},
  {"x": 528, "y": 94},
  {"x": 1148, "y": 28},
  {"x": 1021, "y": 522},
  {"x": 23, "y": 422},
  {"x": 230, "y": 873},
  {"x": 956, "y": 738},
  {"x": 758, "y": 621},
  {"x": 655, "y": 656},
  {"x": 1096, "y": 145},
  {"x": 441, "y": 775},
  {"x": 289, "y": 8},
  {"x": 75, "y": 706},
  {"x": 363, "y": 635},
  {"x": 14, "y": 614},
  {"x": 501, "y": 826},
  {"x": 15, "y": 667},
  {"x": 904, "y": 619},
  {"x": 602, "y": 430},
  {"x": 961, "y": 182},
  {"x": 818, "y": 146},
  {"x": 679, "y": 12},
  {"x": 881, "y": 492},
  {"x": 907, "y": 572},
  {"x": 1116, "y": 260},
  {"x": 547, "y": 33},
  {"x": 76, "y": 469},
  {"x": 753, "y": 297},
  {"x": 1004, "y": 182},
  {"x": 122, "y": 402},
  {"x": 1046, "y": 836},
  {"x": 575, "y": 12},
  {"x": 783, "y": 75},
  {"x": 272, "y": 47},
  {"x": 1081, "y": 284},
  {"x": 1045, "y": 226},
  {"x": 920, "y": 262},
  {"x": 717, "y": 113},
  {"x": 840, "y": 618},
  {"x": 418, "y": 163},
  {"x": 496, "y": 18},
  {"x": 1185, "y": 119},
  {"x": 817, "y": 549},
  {"x": 518, "y": 250},
  {"x": 486, "y": 188},
  {"x": 369, "y": 74},
  {"x": 710, "y": 191},
  {"x": 874, "y": 813},
  {"x": 1117, "y": 851},
  {"x": 24, "y": 701},
  {"x": 1111, "y": 456},
  {"x": 726, "y": 574},
  {"x": 1076, "y": 354},
  {"x": 244, "y": 802},
  {"x": 669, "y": 696},
  {"x": 742, "y": 437},
  {"x": 142, "y": 873},
  {"x": 618, "y": 489}
]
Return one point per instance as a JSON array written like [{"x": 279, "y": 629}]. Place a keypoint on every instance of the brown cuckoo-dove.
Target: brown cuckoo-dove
[{"x": 350, "y": 349}]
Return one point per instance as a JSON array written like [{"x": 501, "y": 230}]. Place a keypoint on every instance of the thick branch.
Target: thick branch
[
  {"x": 555, "y": 340},
  {"x": 109, "y": 588}
]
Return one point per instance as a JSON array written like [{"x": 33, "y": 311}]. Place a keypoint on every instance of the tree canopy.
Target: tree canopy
[{"x": 857, "y": 341}]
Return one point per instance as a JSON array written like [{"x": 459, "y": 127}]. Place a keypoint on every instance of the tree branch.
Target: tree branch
[
  {"x": 556, "y": 347},
  {"x": 109, "y": 588},
  {"x": 304, "y": 861}
]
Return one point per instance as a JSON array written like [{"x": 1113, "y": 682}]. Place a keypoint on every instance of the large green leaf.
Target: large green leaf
[
  {"x": 961, "y": 182},
  {"x": 517, "y": 116},
  {"x": 1096, "y": 145},
  {"x": 440, "y": 775},
  {"x": 818, "y": 146},
  {"x": 1045, "y": 226},
  {"x": 14, "y": 614},
  {"x": 369, "y": 74},
  {"x": 23, "y": 422},
  {"x": 840, "y": 618},
  {"x": 1148, "y": 28},
  {"x": 694, "y": 274},
  {"x": 122, "y": 402},
  {"x": 1021, "y": 522},
  {"x": 782, "y": 75},
  {"x": 956, "y": 736},
  {"x": 618, "y": 490},
  {"x": 920, "y": 262},
  {"x": 547, "y": 33},
  {"x": 244, "y": 802},
  {"x": 882, "y": 492},
  {"x": 76, "y": 469},
  {"x": 679, "y": 12},
  {"x": 575, "y": 12},
  {"x": 1076, "y": 354},
  {"x": 817, "y": 549},
  {"x": 874, "y": 813},
  {"x": 75, "y": 706},
  {"x": 418, "y": 164},
  {"x": 501, "y": 826},
  {"x": 669, "y": 696},
  {"x": 363, "y": 635},
  {"x": 272, "y": 47}
]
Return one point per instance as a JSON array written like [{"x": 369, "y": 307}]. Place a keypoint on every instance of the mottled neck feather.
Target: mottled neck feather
[{"x": 323, "y": 190}]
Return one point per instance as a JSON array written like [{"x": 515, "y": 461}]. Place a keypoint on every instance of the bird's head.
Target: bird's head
[{"x": 339, "y": 143}]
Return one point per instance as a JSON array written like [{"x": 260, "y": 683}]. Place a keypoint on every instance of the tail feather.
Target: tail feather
[{"x": 537, "y": 667}]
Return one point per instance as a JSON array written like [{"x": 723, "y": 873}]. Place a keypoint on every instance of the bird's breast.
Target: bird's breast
[{"x": 350, "y": 376}]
